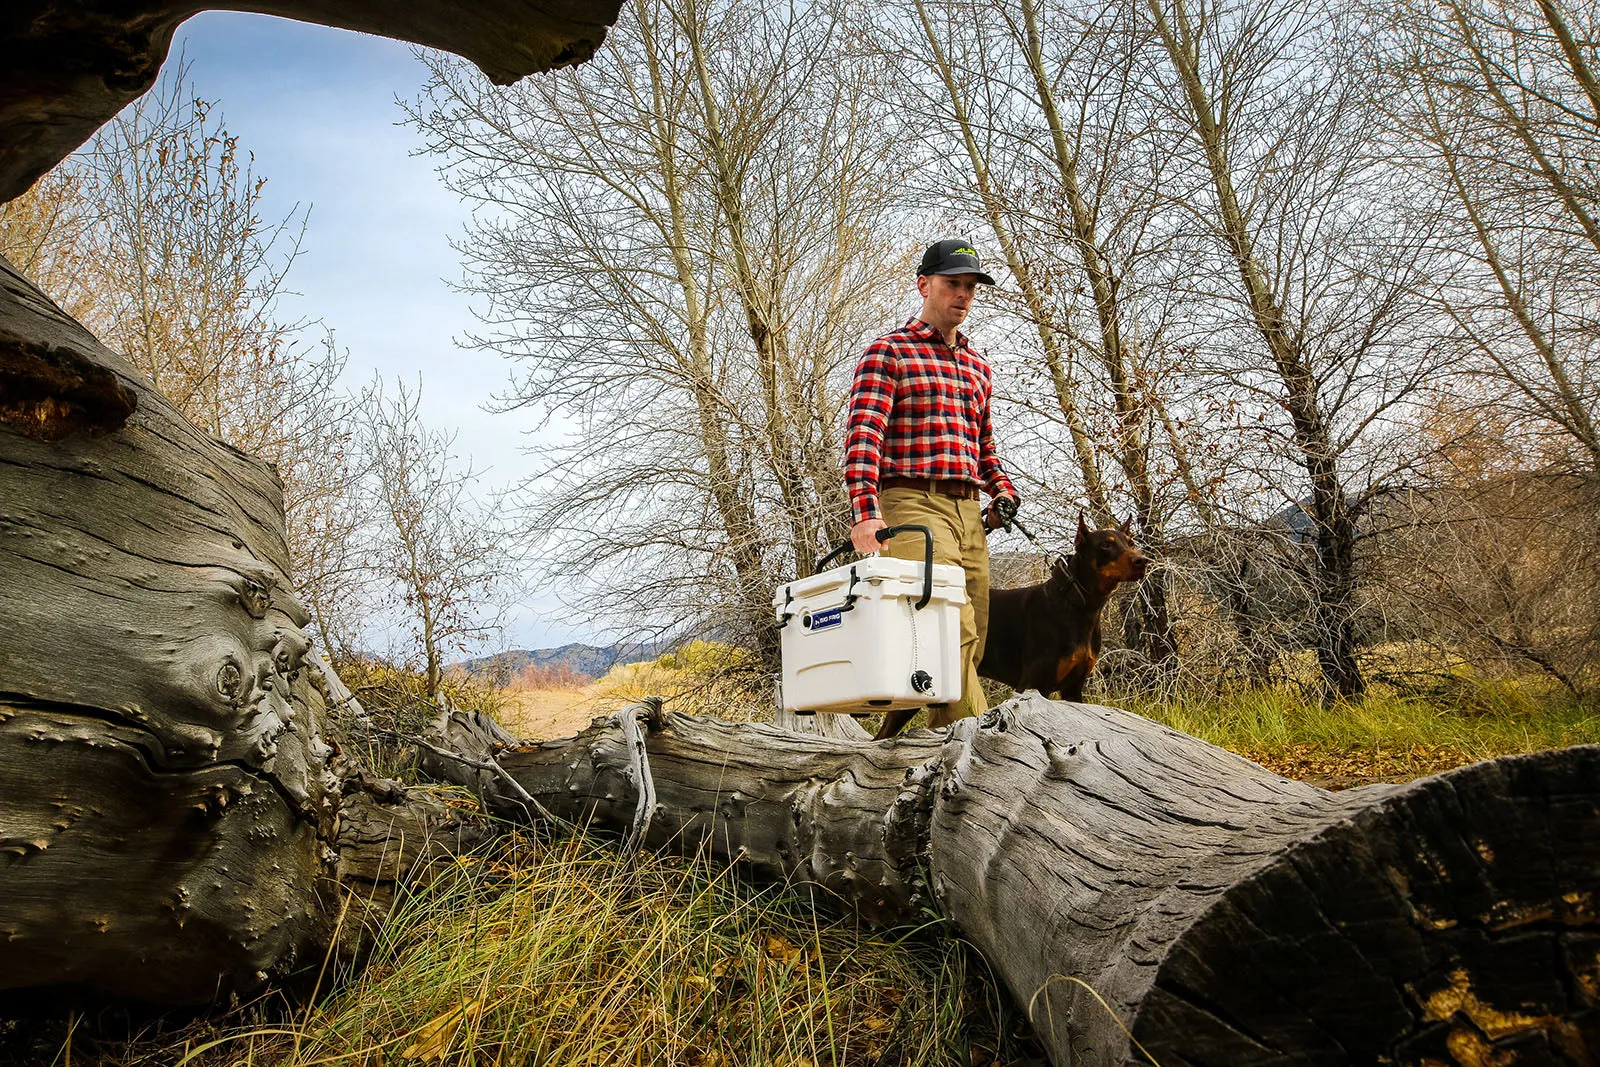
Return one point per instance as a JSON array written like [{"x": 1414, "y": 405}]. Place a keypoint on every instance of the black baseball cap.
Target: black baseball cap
[{"x": 954, "y": 255}]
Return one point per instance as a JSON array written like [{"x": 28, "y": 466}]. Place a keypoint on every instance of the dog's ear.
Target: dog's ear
[
  {"x": 1083, "y": 533},
  {"x": 1127, "y": 524}
]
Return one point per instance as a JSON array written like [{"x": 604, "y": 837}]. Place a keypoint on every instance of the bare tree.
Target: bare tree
[
  {"x": 1266, "y": 103},
  {"x": 440, "y": 549},
  {"x": 924, "y": 45},
  {"x": 186, "y": 272},
  {"x": 1054, "y": 120},
  {"x": 314, "y": 441},
  {"x": 716, "y": 199},
  {"x": 1493, "y": 107}
]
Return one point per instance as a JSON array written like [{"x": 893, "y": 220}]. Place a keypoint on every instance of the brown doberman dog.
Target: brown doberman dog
[{"x": 1047, "y": 636}]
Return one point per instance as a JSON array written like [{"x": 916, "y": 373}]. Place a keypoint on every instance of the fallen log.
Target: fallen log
[
  {"x": 1145, "y": 896},
  {"x": 67, "y": 67}
]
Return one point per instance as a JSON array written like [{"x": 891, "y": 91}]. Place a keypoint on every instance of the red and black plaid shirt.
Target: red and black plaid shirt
[{"x": 919, "y": 409}]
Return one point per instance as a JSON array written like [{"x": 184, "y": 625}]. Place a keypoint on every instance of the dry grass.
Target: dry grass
[
  {"x": 703, "y": 678},
  {"x": 565, "y": 954},
  {"x": 544, "y": 712}
]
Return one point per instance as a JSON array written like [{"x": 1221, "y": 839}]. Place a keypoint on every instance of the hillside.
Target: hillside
[{"x": 591, "y": 660}]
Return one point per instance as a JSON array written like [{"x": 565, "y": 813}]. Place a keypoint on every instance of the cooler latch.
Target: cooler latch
[{"x": 850, "y": 594}]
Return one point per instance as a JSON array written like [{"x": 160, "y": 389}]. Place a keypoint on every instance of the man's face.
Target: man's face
[{"x": 946, "y": 298}]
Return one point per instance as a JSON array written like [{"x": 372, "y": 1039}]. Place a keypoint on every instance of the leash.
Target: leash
[{"x": 1005, "y": 509}]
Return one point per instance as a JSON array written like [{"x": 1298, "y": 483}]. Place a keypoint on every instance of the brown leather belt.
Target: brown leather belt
[{"x": 959, "y": 490}]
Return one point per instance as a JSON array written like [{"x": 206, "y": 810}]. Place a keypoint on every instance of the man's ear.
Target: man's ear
[
  {"x": 922, "y": 285},
  {"x": 1083, "y": 532}
]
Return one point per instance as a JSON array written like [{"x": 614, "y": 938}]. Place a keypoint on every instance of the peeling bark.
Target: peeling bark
[{"x": 1145, "y": 895}]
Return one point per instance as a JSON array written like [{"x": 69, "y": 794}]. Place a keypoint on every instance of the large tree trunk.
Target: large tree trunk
[
  {"x": 173, "y": 821},
  {"x": 1144, "y": 895},
  {"x": 167, "y": 794}
]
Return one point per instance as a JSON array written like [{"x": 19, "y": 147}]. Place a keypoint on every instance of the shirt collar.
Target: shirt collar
[{"x": 927, "y": 333}]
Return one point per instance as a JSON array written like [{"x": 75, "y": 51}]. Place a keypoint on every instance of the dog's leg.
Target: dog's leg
[
  {"x": 1072, "y": 671},
  {"x": 1072, "y": 683}
]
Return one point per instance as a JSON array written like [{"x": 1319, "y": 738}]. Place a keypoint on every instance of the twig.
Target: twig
[{"x": 490, "y": 765}]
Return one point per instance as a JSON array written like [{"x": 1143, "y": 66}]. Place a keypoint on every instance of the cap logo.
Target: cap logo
[{"x": 963, "y": 251}]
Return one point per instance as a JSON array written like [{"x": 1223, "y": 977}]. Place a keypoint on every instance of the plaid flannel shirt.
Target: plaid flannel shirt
[{"x": 919, "y": 409}]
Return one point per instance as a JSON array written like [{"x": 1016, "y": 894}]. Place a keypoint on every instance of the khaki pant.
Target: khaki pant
[{"x": 958, "y": 539}]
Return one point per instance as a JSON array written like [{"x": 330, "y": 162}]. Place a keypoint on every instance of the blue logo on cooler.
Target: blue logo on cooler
[{"x": 823, "y": 620}]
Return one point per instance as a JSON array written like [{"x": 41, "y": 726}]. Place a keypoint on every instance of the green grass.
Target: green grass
[{"x": 1384, "y": 735}]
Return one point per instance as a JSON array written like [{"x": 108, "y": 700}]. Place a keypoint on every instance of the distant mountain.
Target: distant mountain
[{"x": 584, "y": 659}]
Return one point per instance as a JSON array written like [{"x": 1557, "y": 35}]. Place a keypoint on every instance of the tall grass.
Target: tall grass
[{"x": 566, "y": 955}]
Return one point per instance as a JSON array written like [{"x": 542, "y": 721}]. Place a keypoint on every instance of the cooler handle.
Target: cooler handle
[{"x": 884, "y": 535}]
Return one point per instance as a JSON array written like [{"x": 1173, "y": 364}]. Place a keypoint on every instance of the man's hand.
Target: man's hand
[
  {"x": 1001, "y": 513},
  {"x": 864, "y": 535}
]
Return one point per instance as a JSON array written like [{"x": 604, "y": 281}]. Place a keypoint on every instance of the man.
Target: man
[{"x": 919, "y": 447}]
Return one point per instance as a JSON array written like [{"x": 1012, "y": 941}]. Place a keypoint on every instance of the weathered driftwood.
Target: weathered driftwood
[{"x": 1145, "y": 895}]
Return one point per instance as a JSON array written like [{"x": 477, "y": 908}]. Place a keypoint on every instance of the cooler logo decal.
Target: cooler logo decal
[{"x": 823, "y": 620}]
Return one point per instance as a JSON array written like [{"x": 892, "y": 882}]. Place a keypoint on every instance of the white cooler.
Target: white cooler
[{"x": 854, "y": 641}]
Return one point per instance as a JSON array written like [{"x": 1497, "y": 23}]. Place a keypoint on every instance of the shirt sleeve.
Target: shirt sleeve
[
  {"x": 871, "y": 398},
  {"x": 990, "y": 468}
]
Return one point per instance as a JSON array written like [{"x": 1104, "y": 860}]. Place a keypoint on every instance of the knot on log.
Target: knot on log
[
  {"x": 255, "y": 596},
  {"x": 230, "y": 681}
]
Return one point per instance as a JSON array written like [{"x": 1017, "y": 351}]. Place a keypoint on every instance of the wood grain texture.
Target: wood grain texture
[
  {"x": 170, "y": 814},
  {"x": 1147, "y": 896},
  {"x": 165, "y": 794},
  {"x": 839, "y": 727}
]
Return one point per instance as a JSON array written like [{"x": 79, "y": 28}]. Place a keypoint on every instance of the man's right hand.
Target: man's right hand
[
  {"x": 1001, "y": 513},
  {"x": 864, "y": 535}
]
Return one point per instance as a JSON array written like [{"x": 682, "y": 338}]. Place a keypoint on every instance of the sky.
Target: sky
[{"x": 317, "y": 108}]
